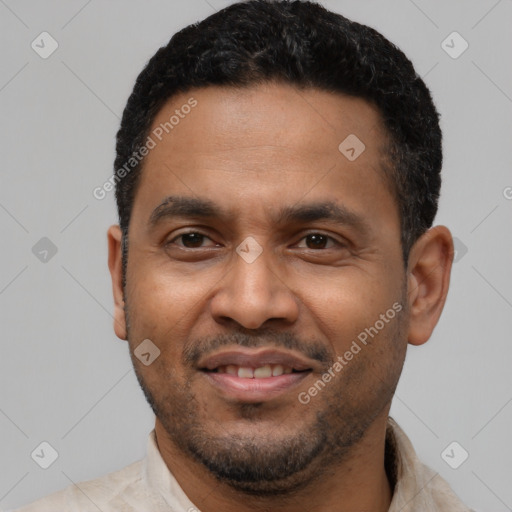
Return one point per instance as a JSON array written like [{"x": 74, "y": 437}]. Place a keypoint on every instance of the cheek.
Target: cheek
[
  {"x": 347, "y": 305},
  {"x": 160, "y": 296}
]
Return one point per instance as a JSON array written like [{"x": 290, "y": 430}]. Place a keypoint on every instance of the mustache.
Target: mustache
[{"x": 313, "y": 349}]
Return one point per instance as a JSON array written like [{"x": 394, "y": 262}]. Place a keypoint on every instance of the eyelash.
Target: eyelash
[{"x": 336, "y": 242}]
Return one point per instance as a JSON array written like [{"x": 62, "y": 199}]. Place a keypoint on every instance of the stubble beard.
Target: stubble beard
[{"x": 274, "y": 465}]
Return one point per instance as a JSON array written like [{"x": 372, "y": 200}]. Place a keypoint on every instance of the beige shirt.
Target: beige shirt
[{"x": 149, "y": 486}]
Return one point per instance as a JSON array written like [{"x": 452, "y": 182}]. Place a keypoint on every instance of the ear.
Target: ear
[
  {"x": 114, "y": 235},
  {"x": 429, "y": 267}
]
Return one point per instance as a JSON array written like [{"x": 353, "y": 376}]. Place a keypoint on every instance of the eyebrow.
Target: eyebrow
[
  {"x": 200, "y": 208},
  {"x": 182, "y": 206}
]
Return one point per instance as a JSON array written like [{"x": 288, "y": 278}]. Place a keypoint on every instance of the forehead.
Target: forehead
[
  {"x": 306, "y": 121},
  {"x": 271, "y": 142}
]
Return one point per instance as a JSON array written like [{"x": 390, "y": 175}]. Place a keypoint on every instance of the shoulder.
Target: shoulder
[{"x": 90, "y": 495}]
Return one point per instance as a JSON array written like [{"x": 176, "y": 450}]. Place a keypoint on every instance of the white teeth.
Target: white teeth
[
  {"x": 277, "y": 370},
  {"x": 231, "y": 369},
  {"x": 245, "y": 373},
  {"x": 264, "y": 371}
]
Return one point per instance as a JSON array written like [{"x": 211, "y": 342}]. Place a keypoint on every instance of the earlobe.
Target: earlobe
[
  {"x": 430, "y": 262},
  {"x": 114, "y": 236}
]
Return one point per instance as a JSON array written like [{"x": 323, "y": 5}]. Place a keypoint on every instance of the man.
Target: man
[{"x": 277, "y": 174}]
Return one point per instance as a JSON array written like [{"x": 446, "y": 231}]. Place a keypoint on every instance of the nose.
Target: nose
[{"x": 253, "y": 293}]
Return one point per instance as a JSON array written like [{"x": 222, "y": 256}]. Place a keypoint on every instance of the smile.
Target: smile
[{"x": 250, "y": 376}]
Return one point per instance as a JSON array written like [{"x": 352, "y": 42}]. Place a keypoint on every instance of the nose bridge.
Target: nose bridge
[
  {"x": 252, "y": 273},
  {"x": 252, "y": 292}
]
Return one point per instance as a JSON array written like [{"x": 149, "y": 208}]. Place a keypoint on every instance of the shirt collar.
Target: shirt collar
[
  {"x": 160, "y": 481},
  {"x": 416, "y": 486}
]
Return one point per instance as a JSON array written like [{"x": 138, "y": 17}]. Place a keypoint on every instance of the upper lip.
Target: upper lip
[{"x": 252, "y": 358}]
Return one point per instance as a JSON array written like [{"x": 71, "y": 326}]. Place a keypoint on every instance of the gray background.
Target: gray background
[{"x": 64, "y": 376}]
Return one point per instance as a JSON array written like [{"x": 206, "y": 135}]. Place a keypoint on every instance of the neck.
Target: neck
[{"x": 358, "y": 482}]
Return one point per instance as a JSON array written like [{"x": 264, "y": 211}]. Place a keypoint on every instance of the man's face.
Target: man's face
[{"x": 245, "y": 334}]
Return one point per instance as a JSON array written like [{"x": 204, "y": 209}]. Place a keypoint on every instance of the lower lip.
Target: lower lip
[{"x": 254, "y": 390}]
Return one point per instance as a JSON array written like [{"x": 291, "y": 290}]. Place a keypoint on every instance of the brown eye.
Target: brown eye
[
  {"x": 191, "y": 240},
  {"x": 316, "y": 241},
  {"x": 319, "y": 241}
]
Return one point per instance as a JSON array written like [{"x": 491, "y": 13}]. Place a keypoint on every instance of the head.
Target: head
[{"x": 280, "y": 215}]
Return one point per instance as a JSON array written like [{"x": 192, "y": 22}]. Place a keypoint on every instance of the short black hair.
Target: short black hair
[{"x": 302, "y": 44}]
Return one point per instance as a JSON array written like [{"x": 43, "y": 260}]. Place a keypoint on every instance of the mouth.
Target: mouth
[{"x": 250, "y": 376}]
